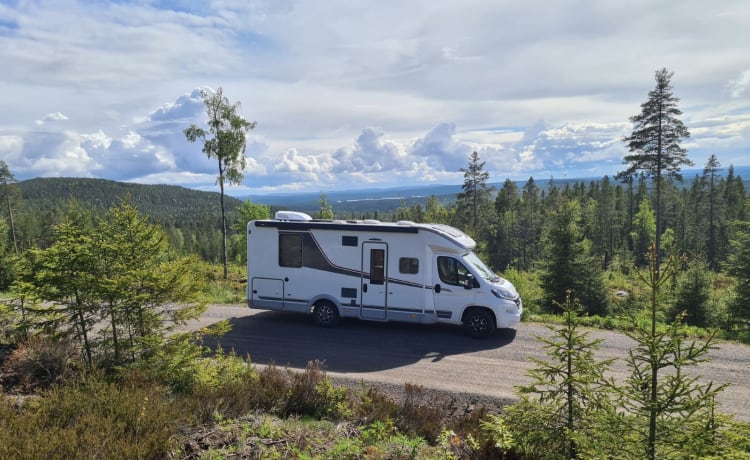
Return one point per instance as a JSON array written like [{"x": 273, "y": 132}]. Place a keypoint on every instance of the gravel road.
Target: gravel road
[{"x": 438, "y": 357}]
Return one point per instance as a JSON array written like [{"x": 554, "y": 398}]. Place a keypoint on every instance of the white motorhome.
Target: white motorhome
[{"x": 372, "y": 270}]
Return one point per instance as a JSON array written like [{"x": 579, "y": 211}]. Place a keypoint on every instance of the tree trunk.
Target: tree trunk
[{"x": 223, "y": 222}]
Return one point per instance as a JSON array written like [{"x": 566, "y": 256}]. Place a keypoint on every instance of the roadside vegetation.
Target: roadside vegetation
[{"x": 93, "y": 362}]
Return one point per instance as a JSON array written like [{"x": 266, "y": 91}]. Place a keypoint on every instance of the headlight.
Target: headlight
[{"x": 503, "y": 294}]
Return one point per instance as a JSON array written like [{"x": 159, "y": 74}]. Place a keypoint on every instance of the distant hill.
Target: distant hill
[{"x": 168, "y": 205}]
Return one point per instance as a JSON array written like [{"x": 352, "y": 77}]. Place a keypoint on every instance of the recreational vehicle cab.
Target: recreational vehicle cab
[{"x": 372, "y": 270}]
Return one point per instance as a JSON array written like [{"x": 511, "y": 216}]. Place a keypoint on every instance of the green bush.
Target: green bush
[
  {"x": 529, "y": 288},
  {"x": 312, "y": 393},
  {"x": 92, "y": 418}
]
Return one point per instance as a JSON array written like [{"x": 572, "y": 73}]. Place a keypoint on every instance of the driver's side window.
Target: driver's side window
[{"x": 451, "y": 271}]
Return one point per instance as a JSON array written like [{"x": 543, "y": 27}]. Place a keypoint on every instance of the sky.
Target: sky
[{"x": 350, "y": 94}]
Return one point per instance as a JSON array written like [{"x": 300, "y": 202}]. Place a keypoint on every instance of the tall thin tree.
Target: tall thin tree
[
  {"x": 225, "y": 140},
  {"x": 655, "y": 143},
  {"x": 476, "y": 192},
  {"x": 6, "y": 180},
  {"x": 710, "y": 174}
]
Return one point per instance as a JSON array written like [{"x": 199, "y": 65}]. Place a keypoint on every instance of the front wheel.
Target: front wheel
[
  {"x": 479, "y": 323},
  {"x": 326, "y": 314}
]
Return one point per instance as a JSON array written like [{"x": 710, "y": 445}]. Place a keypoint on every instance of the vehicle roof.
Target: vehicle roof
[{"x": 456, "y": 236}]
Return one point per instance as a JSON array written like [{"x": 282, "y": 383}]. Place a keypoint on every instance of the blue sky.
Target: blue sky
[{"x": 350, "y": 94}]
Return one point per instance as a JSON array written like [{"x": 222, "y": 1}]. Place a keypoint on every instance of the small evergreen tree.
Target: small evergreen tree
[
  {"x": 111, "y": 287},
  {"x": 644, "y": 231},
  {"x": 570, "y": 265},
  {"x": 661, "y": 410},
  {"x": 435, "y": 212},
  {"x": 693, "y": 295},
  {"x": 64, "y": 278},
  {"x": 557, "y": 411},
  {"x": 326, "y": 210},
  {"x": 738, "y": 265}
]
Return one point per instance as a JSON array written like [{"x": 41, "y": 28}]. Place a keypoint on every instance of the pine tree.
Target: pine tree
[
  {"x": 529, "y": 223},
  {"x": 473, "y": 204},
  {"x": 644, "y": 231},
  {"x": 111, "y": 287},
  {"x": 655, "y": 143},
  {"x": 8, "y": 193},
  {"x": 435, "y": 212},
  {"x": 661, "y": 410},
  {"x": 225, "y": 140},
  {"x": 738, "y": 265},
  {"x": 710, "y": 177},
  {"x": 693, "y": 295},
  {"x": 326, "y": 210},
  {"x": 570, "y": 265},
  {"x": 64, "y": 278},
  {"x": 504, "y": 241},
  {"x": 557, "y": 412}
]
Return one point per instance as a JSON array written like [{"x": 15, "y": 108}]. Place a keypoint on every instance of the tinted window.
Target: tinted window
[
  {"x": 408, "y": 265},
  {"x": 451, "y": 271},
  {"x": 290, "y": 250},
  {"x": 377, "y": 266}
]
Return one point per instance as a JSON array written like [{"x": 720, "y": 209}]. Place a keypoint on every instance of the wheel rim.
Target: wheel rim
[
  {"x": 325, "y": 314},
  {"x": 478, "y": 324}
]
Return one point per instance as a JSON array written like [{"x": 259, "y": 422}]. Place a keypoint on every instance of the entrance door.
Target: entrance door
[{"x": 374, "y": 300}]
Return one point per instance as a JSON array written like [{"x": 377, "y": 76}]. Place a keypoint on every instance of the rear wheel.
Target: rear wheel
[
  {"x": 326, "y": 314},
  {"x": 479, "y": 323}
]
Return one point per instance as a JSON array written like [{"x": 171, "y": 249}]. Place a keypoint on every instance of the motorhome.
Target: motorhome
[{"x": 372, "y": 270}]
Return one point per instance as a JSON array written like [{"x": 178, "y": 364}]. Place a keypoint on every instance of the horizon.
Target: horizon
[
  {"x": 688, "y": 174},
  {"x": 105, "y": 89}
]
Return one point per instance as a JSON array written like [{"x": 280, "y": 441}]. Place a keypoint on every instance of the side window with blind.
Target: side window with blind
[
  {"x": 290, "y": 250},
  {"x": 408, "y": 265},
  {"x": 377, "y": 266}
]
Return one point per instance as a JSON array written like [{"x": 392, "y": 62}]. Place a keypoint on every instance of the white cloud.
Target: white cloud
[
  {"x": 739, "y": 86},
  {"x": 56, "y": 116}
]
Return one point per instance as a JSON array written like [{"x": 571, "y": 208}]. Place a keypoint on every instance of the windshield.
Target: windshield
[{"x": 480, "y": 268}]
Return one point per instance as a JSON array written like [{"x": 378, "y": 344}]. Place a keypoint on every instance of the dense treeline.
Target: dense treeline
[{"x": 191, "y": 218}]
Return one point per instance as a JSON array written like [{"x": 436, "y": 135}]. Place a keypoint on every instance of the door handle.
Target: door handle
[
  {"x": 364, "y": 287},
  {"x": 437, "y": 289}
]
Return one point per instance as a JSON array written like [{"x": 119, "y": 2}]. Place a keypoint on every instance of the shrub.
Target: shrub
[
  {"x": 39, "y": 362},
  {"x": 91, "y": 418},
  {"x": 312, "y": 393}
]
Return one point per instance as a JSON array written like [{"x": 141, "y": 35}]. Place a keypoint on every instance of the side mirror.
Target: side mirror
[{"x": 468, "y": 281}]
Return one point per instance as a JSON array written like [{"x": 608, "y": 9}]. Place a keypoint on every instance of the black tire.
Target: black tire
[
  {"x": 479, "y": 323},
  {"x": 326, "y": 314}
]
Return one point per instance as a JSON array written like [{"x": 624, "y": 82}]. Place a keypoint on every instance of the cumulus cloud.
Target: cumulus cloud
[
  {"x": 439, "y": 148},
  {"x": 371, "y": 153},
  {"x": 186, "y": 107},
  {"x": 154, "y": 146},
  {"x": 55, "y": 154},
  {"x": 574, "y": 146}
]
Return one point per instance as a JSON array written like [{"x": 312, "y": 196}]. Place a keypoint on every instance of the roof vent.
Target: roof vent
[{"x": 292, "y": 215}]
